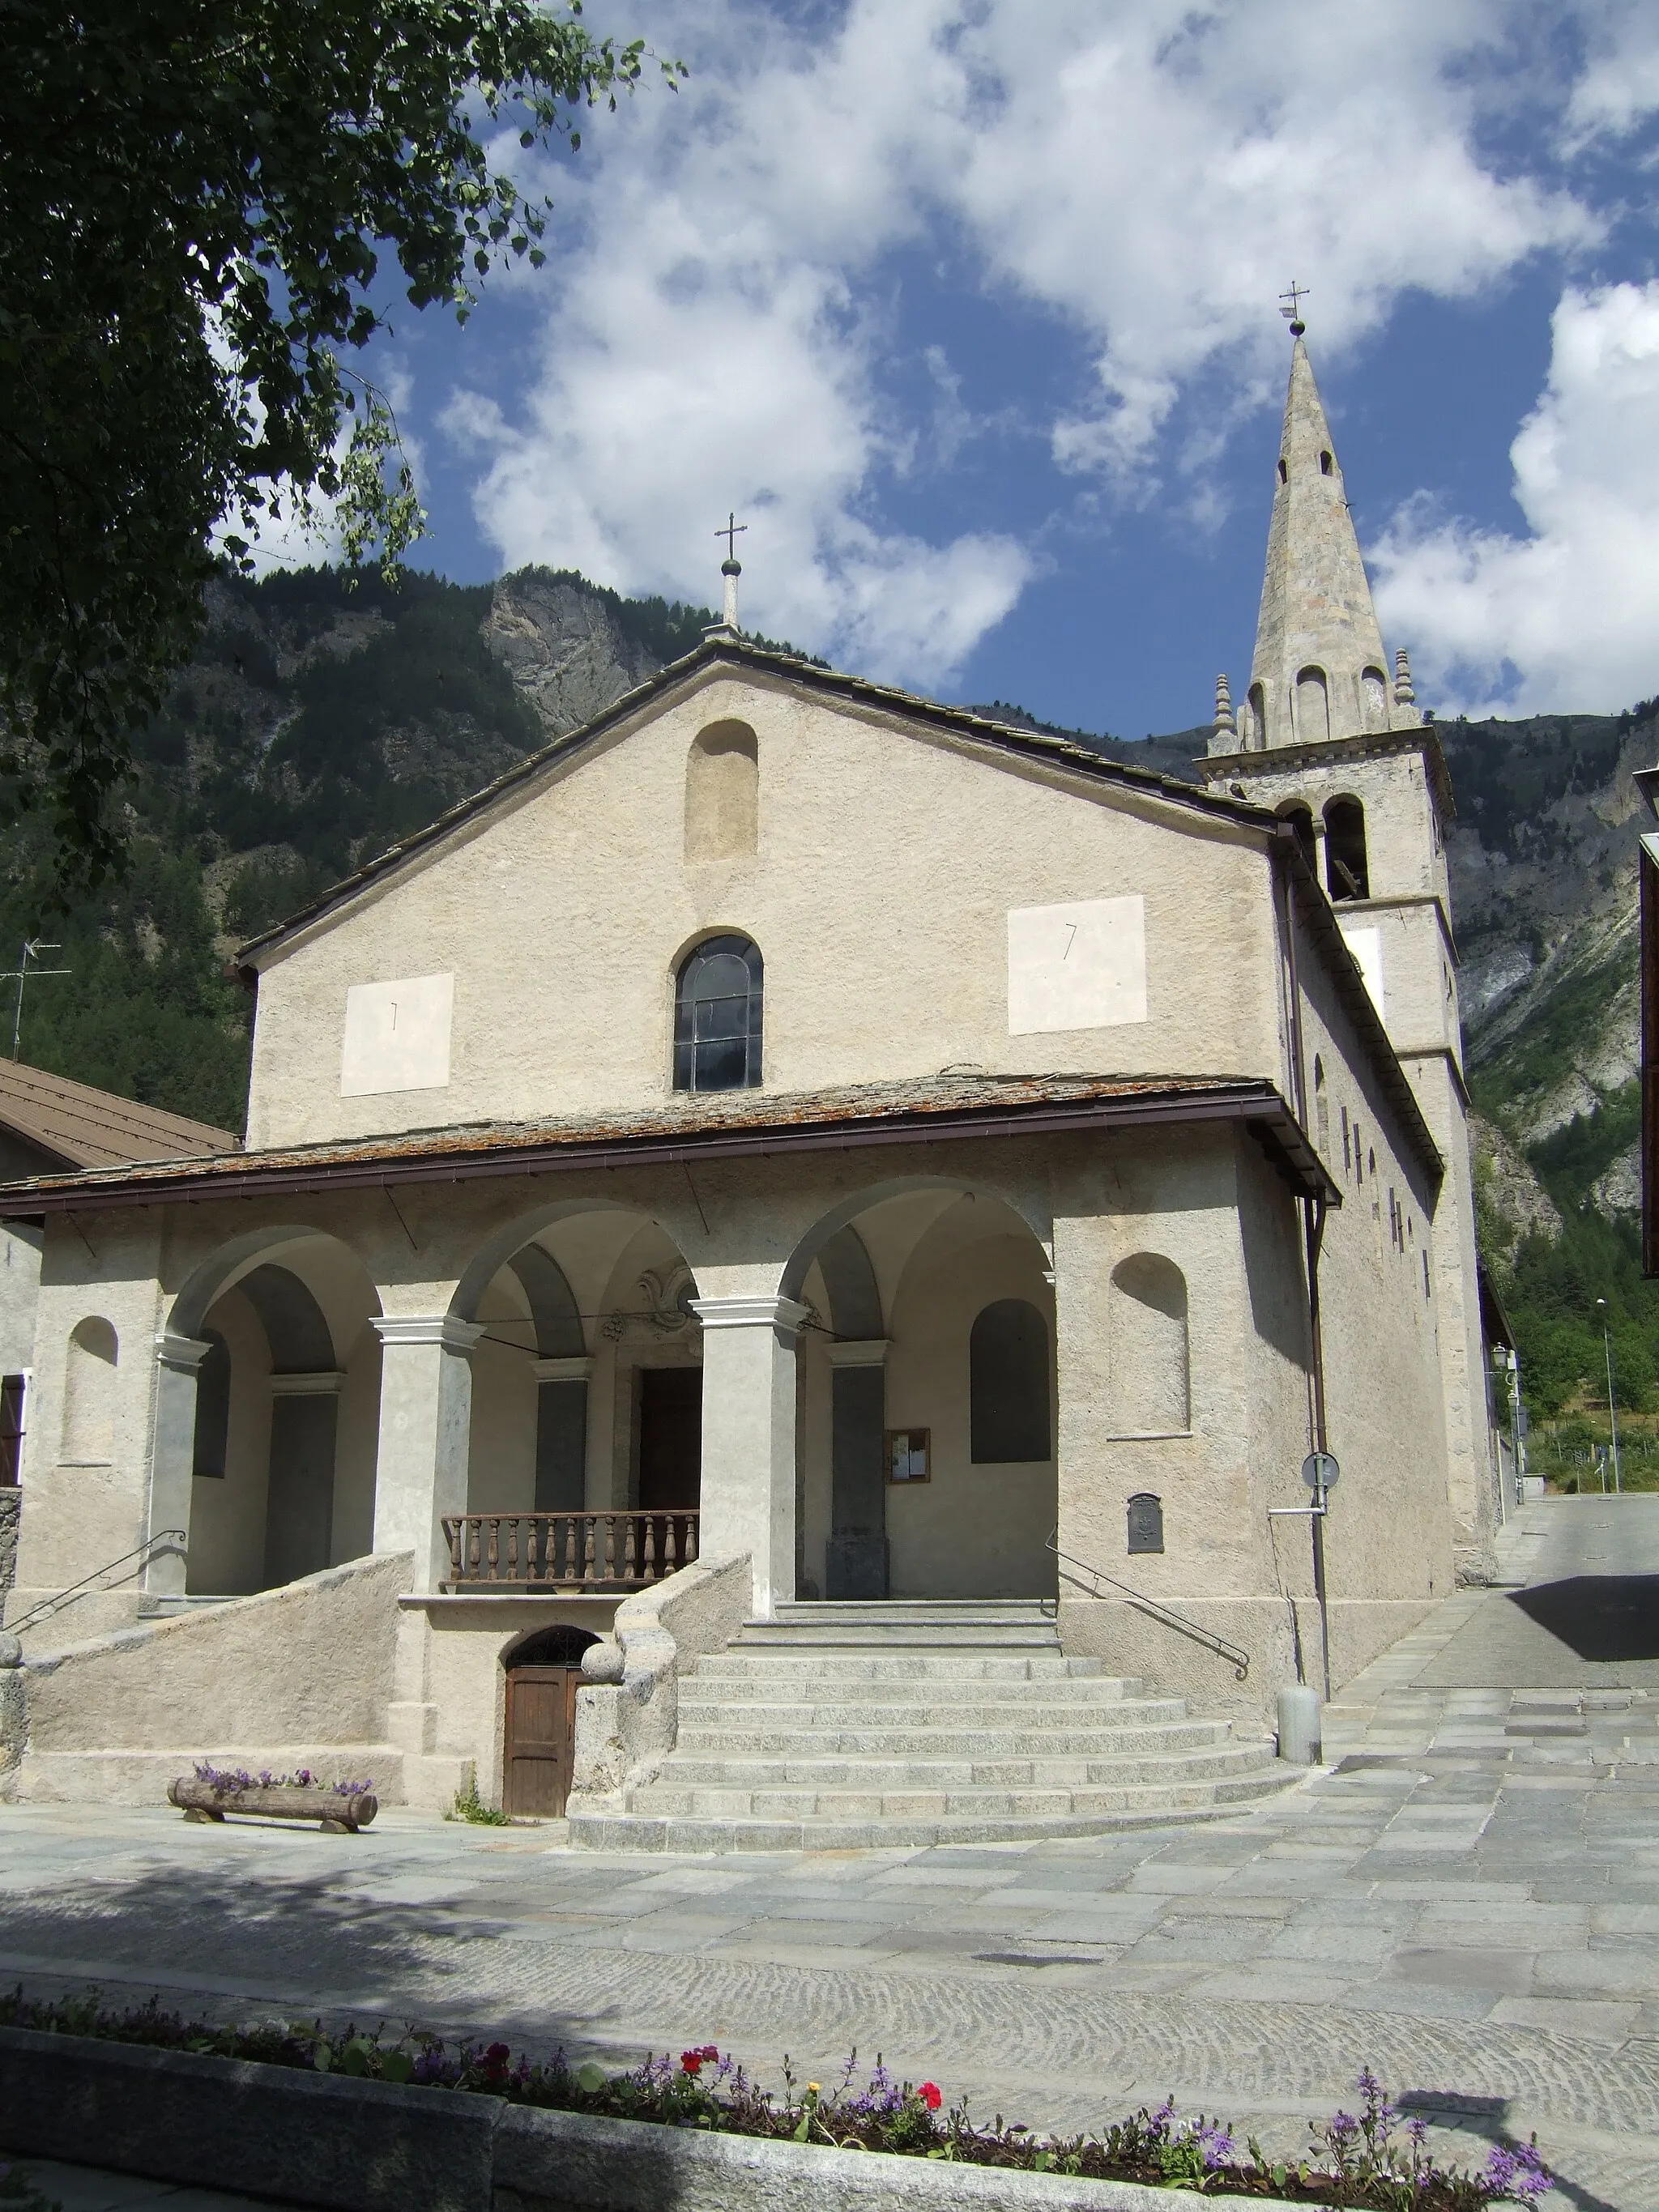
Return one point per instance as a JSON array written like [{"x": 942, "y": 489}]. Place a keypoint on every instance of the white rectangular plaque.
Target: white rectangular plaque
[
  {"x": 397, "y": 1035},
  {"x": 1366, "y": 946},
  {"x": 1081, "y": 966}
]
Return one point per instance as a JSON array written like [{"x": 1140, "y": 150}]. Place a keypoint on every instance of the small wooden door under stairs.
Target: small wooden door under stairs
[{"x": 543, "y": 1676}]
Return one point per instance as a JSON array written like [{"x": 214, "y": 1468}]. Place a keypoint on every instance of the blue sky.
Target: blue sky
[{"x": 971, "y": 312}]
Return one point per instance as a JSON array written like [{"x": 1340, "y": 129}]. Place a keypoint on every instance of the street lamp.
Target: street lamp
[{"x": 1612, "y": 1415}]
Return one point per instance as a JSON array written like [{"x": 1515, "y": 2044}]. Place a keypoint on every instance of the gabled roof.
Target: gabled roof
[
  {"x": 89, "y": 1128},
  {"x": 742, "y": 656}
]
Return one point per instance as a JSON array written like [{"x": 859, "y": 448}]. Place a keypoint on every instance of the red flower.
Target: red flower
[
  {"x": 496, "y": 2059},
  {"x": 691, "y": 2062},
  {"x": 929, "y": 2094}
]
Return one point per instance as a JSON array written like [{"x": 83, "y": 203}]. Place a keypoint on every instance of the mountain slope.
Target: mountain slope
[{"x": 324, "y": 717}]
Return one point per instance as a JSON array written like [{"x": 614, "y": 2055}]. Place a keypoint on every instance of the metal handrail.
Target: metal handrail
[
  {"x": 142, "y": 1555},
  {"x": 1237, "y": 1659}
]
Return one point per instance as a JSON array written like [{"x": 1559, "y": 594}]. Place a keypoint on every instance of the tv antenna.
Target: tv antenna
[{"x": 33, "y": 948}]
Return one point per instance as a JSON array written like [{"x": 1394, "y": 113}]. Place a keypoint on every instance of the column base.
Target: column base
[{"x": 855, "y": 1566}]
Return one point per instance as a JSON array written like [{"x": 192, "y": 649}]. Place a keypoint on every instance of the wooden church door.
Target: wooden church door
[{"x": 542, "y": 1677}]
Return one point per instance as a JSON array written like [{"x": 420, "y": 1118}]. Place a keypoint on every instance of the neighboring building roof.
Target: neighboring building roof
[
  {"x": 701, "y": 1125},
  {"x": 89, "y": 1128},
  {"x": 1029, "y": 744}
]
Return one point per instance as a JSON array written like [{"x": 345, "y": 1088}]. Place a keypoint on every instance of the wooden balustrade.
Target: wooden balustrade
[{"x": 566, "y": 1550}]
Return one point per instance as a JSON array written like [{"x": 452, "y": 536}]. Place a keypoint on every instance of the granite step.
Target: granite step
[
  {"x": 784, "y": 1769},
  {"x": 898, "y": 1725},
  {"x": 708, "y": 1736}
]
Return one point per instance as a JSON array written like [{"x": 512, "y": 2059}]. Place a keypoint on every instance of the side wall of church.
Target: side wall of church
[
  {"x": 86, "y": 1452},
  {"x": 886, "y": 863}
]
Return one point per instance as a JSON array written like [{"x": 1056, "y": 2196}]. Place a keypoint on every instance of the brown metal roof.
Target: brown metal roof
[
  {"x": 699, "y": 1125},
  {"x": 89, "y": 1128},
  {"x": 1031, "y": 745}
]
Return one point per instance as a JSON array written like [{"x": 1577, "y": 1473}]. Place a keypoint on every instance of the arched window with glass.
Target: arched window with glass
[{"x": 717, "y": 1017}]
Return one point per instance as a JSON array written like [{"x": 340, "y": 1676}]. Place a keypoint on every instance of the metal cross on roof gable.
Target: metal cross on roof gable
[{"x": 730, "y": 531}]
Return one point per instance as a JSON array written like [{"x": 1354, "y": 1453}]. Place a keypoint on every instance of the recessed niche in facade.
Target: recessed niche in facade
[{"x": 722, "y": 793}]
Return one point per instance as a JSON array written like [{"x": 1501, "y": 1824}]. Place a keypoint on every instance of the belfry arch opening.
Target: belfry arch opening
[
  {"x": 1347, "y": 873},
  {"x": 1299, "y": 815}
]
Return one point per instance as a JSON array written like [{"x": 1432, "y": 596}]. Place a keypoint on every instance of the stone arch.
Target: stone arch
[
  {"x": 722, "y": 793},
  {"x": 850, "y": 1281},
  {"x": 1147, "y": 1349},
  {"x": 268, "y": 1410},
  {"x": 1347, "y": 872},
  {"x": 503, "y": 1244},
  {"x": 1299, "y": 815},
  {"x": 813, "y": 1242},
  {"x": 559, "y": 1646},
  {"x": 554, "y": 1313},
  {"x": 89, "y": 1378},
  {"x": 1312, "y": 706}
]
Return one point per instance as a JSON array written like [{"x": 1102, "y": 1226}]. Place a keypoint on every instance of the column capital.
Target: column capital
[
  {"x": 861, "y": 1352},
  {"x": 575, "y": 1368},
  {"x": 183, "y": 1354},
  {"x": 784, "y": 1314},
  {"x": 448, "y": 1330}
]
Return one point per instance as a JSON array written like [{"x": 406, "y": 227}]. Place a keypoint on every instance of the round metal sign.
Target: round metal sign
[{"x": 1319, "y": 1471}]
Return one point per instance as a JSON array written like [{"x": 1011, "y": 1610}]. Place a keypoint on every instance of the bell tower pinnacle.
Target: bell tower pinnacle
[{"x": 1319, "y": 670}]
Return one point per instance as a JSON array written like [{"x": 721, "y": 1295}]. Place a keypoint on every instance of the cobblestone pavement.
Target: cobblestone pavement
[{"x": 1467, "y": 1899}]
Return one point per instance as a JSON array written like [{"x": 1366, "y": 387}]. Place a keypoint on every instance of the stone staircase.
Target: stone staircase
[{"x": 846, "y": 1726}]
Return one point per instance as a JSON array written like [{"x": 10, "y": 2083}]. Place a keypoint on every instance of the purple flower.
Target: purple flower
[{"x": 1215, "y": 2145}]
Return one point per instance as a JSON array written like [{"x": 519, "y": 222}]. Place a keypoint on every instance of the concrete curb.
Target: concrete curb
[{"x": 327, "y": 2140}]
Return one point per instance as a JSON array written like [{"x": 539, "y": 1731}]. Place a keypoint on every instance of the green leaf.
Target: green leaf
[
  {"x": 591, "y": 2076},
  {"x": 396, "y": 2066}
]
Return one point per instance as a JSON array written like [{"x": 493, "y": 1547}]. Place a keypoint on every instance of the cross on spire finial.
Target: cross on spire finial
[
  {"x": 1292, "y": 314},
  {"x": 730, "y": 531}
]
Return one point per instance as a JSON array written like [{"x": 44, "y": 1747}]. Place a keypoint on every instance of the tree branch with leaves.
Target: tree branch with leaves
[{"x": 205, "y": 206}]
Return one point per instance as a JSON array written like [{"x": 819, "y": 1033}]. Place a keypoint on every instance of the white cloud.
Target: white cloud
[
  {"x": 1140, "y": 173},
  {"x": 1565, "y": 617},
  {"x": 1620, "y": 88}
]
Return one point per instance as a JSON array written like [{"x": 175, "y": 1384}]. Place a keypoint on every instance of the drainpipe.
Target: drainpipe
[{"x": 1290, "y": 857}]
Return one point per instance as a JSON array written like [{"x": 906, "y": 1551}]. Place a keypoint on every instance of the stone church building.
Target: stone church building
[{"x": 794, "y": 1193}]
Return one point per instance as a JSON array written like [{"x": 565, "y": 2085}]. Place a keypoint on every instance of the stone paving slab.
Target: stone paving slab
[{"x": 1436, "y": 1902}]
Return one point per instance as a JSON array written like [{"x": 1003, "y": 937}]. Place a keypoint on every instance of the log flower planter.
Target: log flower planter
[{"x": 210, "y": 1793}]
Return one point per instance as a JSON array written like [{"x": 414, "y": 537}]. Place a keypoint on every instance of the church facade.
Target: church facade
[{"x": 793, "y": 1123}]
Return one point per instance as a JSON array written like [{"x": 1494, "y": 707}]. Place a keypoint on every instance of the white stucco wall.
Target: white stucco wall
[{"x": 888, "y": 863}]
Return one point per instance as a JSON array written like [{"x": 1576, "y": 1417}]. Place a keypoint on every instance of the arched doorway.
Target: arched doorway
[
  {"x": 584, "y": 1439},
  {"x": 282, "y": 1438},
  {"x": 539, "y": 1734},
  {"x": 927, "y": 1392}
]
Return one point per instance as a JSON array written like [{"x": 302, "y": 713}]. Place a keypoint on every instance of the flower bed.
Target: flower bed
[
  {"x": 212, "y": 1791},
  {"x": 1365, "y": 2159}
]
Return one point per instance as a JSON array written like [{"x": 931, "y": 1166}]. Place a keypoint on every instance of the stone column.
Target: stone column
[
  {"x": 855, "y": 1565},
  {"x": 749, "y": 1437},
  {"x": 426, "y": 1418},
  {"x": 172, "y": 1460}
]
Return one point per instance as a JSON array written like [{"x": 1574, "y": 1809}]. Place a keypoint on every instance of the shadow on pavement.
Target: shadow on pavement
[{"x": 1601, "y": 1617}]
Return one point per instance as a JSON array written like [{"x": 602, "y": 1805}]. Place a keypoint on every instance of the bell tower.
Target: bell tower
[{"x": 1328, "y": 739}]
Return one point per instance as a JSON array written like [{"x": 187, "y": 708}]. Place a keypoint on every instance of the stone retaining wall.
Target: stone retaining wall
[{"x": 340, "y": 2145}]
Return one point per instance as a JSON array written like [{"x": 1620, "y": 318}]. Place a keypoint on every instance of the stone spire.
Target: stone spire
[{"x": 1319, "y": 670}]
